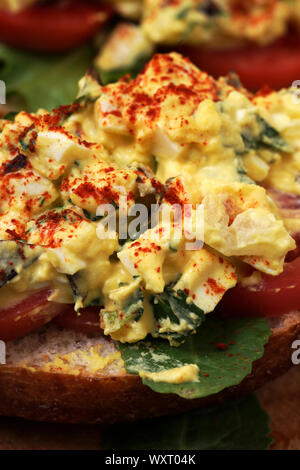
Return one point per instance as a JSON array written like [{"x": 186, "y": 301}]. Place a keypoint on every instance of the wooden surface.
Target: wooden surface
[{"x": 281, "y": 398}]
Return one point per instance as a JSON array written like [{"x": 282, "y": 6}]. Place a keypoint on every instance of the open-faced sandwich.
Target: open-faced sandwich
[{"x": 148, "y": 251}]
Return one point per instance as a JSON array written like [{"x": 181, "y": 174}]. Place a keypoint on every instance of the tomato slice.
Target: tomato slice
[
  {"x": 28, "y": 315},
  {"x": 276, "y": 65},
  {"x": 273, "y": 296},
  {"x": 87, "y": 322},
  {"x": 53, "y": 27}
]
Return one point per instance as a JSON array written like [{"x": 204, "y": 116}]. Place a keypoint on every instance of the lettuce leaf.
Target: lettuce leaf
[
  {"x": 223, "y": 350},
  {"x": 43, "y": 80},
  {"x": 238, "y": 425}
]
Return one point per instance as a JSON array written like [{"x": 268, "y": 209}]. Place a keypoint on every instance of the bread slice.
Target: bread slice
[{"x": 64, "y": 376}]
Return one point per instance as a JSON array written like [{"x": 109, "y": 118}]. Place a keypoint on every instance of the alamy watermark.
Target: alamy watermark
[
  {"x": 296, "y": 353},
  {"x": 2, "y": 352},
  {"x": 2, "y": 92},
  {"x": 156, "y": 222}
]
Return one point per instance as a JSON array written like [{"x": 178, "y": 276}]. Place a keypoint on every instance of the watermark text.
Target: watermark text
[
  {"x": 2, "y": 92},
  {"x": 2, "y": 353}
]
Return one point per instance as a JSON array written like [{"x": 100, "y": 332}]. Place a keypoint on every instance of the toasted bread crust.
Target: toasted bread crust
[{"x": 53, "y": 397}]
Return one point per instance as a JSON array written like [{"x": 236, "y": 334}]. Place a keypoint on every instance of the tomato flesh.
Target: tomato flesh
[
  {"x": 55, "y": 27},
  {"x": 275, "y": 295},
  {"x": 276, "y": 65},
  {"x": 87, "y": 322},
  {"x": 28, "y": 315}
]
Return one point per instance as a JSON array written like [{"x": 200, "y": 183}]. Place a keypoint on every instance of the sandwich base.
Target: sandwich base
[{"x": 33, "y": 393}]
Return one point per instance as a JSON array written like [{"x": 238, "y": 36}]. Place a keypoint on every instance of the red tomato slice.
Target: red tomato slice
[
  {"x": 273, "y": 296},
  {"x": 53, "y": 27},
  {"x": 276, "y": 65},
  {"x": 87, "y": 322},
  {"x": 28, "y": 315}
]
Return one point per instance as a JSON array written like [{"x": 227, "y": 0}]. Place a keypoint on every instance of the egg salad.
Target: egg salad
[
  {"x": 173, "y": 136},
  {"x": 213, "y": 22},
  {"x": 203, "y": 29}
]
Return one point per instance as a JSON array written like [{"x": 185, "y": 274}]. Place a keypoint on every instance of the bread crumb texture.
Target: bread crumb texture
[{"x": 50, "y": 349}]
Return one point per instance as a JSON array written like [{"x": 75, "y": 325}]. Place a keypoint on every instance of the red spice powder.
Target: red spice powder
[
  {"x": 50, "y": 223},
  {"x": 264, "y": 91},
  {"x": 160, "y": 70},
  {"x": 215, "y": 287}
]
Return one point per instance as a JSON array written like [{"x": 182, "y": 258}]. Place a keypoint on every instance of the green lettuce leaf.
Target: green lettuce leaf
[
  {"x": 238, "y": 425},
  {"x": 40, "y": 80},
  {"x": 223, "y": 350}
]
